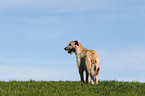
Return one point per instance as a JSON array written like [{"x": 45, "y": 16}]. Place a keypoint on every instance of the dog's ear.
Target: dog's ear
[{"x": 77, "y": 43}]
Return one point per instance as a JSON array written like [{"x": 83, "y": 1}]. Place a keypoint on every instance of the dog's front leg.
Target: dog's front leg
[
  {"x": 87, "y": 77},
  {"x": 80, "y": 67},
  {"x": 81, "y": 73}
]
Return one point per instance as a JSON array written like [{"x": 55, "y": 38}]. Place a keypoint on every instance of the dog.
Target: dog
[{"x": 87, "y": 60}]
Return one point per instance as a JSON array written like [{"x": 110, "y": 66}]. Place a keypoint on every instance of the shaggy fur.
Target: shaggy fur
[{"x": 87, "y": 60}]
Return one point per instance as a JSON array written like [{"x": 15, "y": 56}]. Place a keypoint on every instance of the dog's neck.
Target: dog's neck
[{"x": 79, "y": 49}]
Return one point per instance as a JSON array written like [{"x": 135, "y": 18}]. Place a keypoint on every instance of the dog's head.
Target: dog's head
[{"x": 71, "y": 47}]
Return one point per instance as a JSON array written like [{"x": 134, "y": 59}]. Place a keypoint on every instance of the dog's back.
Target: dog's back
[{"x": 93, "y": 62}]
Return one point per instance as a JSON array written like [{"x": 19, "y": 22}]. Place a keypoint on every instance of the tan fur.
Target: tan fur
[{"x": 87, "y": 60}]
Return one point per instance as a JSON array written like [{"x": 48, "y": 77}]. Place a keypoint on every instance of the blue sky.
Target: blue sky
[{"x": 34, "y": 33}]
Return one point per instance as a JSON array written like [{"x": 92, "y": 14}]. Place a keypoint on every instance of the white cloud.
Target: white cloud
[
  {"x": 28, "y": 73},
  {"x": 123, "y": 56},
  {"x": 30, "y": 69},
  {"x": 26, "y": 61},
  {"x": 40, "y": 70},
  {"x": 75, "y": 4},
  {"x": 62, "y": 11},
  {"x": 47, "y": 35},
  {"x": 106, "y": 10},
  {"x": 123, "y": 64}
]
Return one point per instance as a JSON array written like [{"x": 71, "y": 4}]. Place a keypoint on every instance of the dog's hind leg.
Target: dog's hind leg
[
  {"x": 92, "y": 74},
  {"x": 96, "y": 74}
]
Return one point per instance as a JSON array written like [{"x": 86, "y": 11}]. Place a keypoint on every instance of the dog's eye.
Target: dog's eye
[{"x": 69, "y": 44}]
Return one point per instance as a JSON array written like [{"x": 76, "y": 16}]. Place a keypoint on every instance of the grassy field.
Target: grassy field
[{"x": 68, "y": 88}]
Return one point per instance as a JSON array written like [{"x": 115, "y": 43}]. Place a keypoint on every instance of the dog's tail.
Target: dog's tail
[{"x": 97, "y": 69}]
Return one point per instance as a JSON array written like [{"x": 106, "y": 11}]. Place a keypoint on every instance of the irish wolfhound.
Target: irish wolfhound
[{"x": 87, "y": 60}]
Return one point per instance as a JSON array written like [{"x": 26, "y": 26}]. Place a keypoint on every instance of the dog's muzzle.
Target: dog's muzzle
[{"x": 70, "y": 51}]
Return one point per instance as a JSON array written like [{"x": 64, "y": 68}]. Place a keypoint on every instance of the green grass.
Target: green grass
[{"x": 68, "y": 88}]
